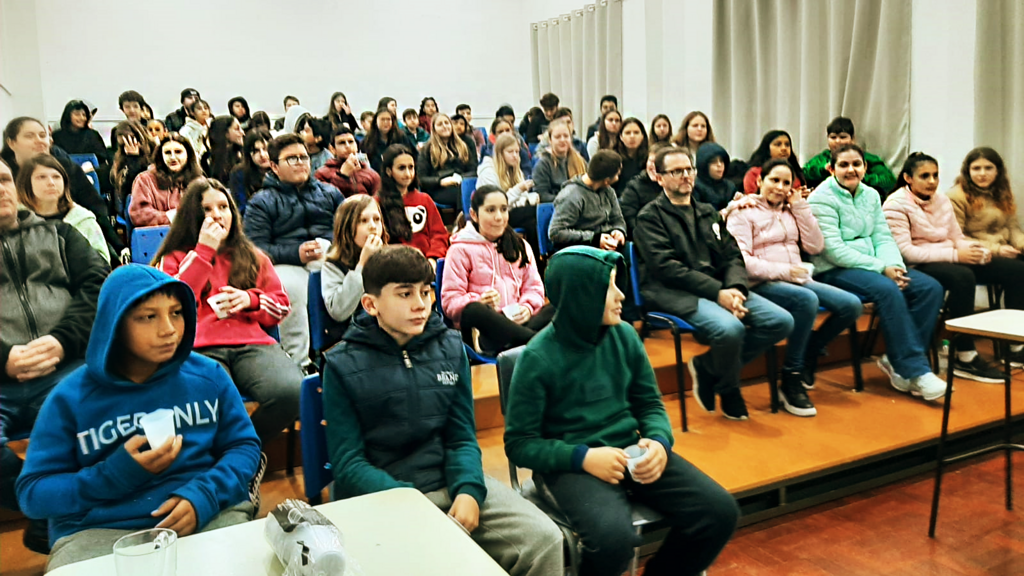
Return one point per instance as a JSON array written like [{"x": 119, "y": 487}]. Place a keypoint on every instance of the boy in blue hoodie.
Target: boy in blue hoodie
[
  {"x": 398, "y": 401},
  {"x": 89, "y": 469},
  {"x": 582, "y": 391}
]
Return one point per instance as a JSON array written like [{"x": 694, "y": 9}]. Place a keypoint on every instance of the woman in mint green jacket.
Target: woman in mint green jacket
[{"x": 861, "y": 256}]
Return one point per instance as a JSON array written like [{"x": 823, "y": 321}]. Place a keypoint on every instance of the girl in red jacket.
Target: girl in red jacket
[
  {"x": 410, "y": 216},
  {"x": 238, "y": 298}
]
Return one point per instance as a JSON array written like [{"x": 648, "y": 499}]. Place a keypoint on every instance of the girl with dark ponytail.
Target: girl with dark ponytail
[
  {"x": 410, "y": 216},
  {"x": 491, "y": 284}
]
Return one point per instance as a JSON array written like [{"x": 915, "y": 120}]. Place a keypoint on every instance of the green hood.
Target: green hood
[{"x": 576, "y": 282}]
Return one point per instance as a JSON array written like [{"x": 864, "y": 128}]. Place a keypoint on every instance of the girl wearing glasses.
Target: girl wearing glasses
[{"x": 157, "y": 192}]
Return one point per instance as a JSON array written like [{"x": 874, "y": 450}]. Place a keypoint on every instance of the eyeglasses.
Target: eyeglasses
[
  {"x": 679, "y": 173},
  {"x": 295, "y": 160}
]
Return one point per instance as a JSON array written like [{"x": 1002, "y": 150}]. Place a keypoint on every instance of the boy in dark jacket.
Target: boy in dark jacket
[
  {"x": 582, "y": 391},
  {"x": 87, "y": 470},
  {"x": 692, "y": 268},
  {"x": 398, "y": 400},
  {"x": 176, "y": 120},
  {"x": 587, "y": 210}
]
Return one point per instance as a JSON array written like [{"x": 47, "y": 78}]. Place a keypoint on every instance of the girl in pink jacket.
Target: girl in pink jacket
[
  {"x": 771, "y": 235},
  {"x": 491, "y": 281},
  {"x": 924, "y": 226},
  {"x": 157, "y": 192}
]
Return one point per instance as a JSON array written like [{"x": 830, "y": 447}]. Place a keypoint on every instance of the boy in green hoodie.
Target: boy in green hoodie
[
  {"x": 839, "y": 132},
  {"x": 583, "y": 390}
]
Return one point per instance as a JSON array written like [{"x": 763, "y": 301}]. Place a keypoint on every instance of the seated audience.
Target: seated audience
[
  {"x": 157, "y": 192},
  {"x": 402, "y": 349},
  {"x": 491, "y": 282},
  {"x": 413, "y": 131},
  {"x": 260, "y": 119},
  {"x": 358, "y": 234},
  {"x": 501, "y": 126},
  {"x": 133, "y": 156},
  {"x": 642, "y": 189},
  {"x": 238, "y": 296},
  {"x": 539, "y": 122},
  {"x": 347, "y": 171},
  {"x": 578, "y": 144},
  {"x": 560, "y": 163},
  {"x": 239, "y": 108},
  {"x": 156, "y": 130},
  {"x": 340, "y": 114},
  {"x": 131, "y": 104},
  {"x": 466, "y": 112},
  {"x": 524, "y": 124},
  {"x": 390, "y": 103},
  {"x": 247, "y": 178},
  {"x": 383, "y": 132},
  {"x": 587, "y": 210},
  {"x": 175, "y": 121},
  {"x": 607, "y": 137},
  {"x": 291, "y": 220},
  {"x": 289, "y": 102},
  {"x": 774, "y": 144},
  {"x": 91, "y": 478},
  {"x": 924, "y": 227},
  {"x": 226, "y": 143},
  {"x": 410, "y": 216},
  {"x": 692, "y": 268},
  {"x": 861, "y": 256},
  {"x": 502, "y": 171},
  {"x": 711, "y": 186},
  {"x": 196, "y": 127},
  {"x": 39, "y": 353},
  {"x": 608, "y": 103},
  {"x": 694, "y": 130},
  {"x": 147, "y": 112},
  {"x": 365, "y": 121},
  {"x": 75, "y": 136},
  {"x": 661, "y": 129},
  {"x": 428, "y": 107},
  {"x": 839, "y": 132},
  {"x": 315, "y": 133},
  {"x": 771, "y": 235},
  {"x": 582, "y": 391},
  {"x": 445, "y": 160},
  {"x": 632, "y": 148},
  {"x": 44, "y": 188}
]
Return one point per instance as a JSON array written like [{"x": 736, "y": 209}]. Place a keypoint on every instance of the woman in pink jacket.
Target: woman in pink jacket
[
  {"x": 925, "y": 228},
  {"x": 156, "y": 193},
  {"x": 771, "y": 234},
  {"x": 491, "y": 281}
]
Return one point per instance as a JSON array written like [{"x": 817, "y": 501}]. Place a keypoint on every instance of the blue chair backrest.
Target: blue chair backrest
[
  {"x": 483, "y": 131},
  {"x": 468, "y": 187},
  {"x": 81, "y": 159},
  {"x": 533, "y": 149},
  {"x": 545, "y": 211},
  {"x": 634, "y": 275},
  {"x": 438, "y": 278},
  {"x": 146, "y": 241},
  {"x": 316, "y": 468},
  {"x": 319, "y": 319}
]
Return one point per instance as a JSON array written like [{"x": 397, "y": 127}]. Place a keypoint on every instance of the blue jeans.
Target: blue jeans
[
  {"x": 803, "y": 302},
  {"x": 731, "y": 339},
  {"x": 907, "y": 316}
]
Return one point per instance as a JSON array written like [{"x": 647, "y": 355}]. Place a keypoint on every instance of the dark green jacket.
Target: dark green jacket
[{"x": 578, "y": 384}]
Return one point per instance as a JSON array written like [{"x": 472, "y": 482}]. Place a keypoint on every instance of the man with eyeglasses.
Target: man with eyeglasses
[
  {"x": 692, "y": 268},
  {"x": 291, "y": 219}
]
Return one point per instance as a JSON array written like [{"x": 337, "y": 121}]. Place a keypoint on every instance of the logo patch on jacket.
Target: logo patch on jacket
[
  {"x": 448, "y": 378},
  {"x": 417, "y": 216}
]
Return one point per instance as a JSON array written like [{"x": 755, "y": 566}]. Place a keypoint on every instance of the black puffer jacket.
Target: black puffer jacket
[
  {"x": 280, "y": 217},
  {"x": 639, "y": 192}
]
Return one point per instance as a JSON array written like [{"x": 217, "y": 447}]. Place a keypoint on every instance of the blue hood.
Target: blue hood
[{"x": 124, "y": 288}]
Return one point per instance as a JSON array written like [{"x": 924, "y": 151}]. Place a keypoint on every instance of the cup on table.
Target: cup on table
[
  {"x": 158, "y": 427},
  {"x": 147, "y": 553},
  {"x": 635, "y": 454},
  {"x": 219, "y": 303},
  {"x": 511, "y": 311}
]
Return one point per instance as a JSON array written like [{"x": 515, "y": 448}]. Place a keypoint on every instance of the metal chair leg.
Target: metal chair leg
[
  {"x": 634, "y": 564},
  {"x": 771, "y": 362},
  {"x": 941, "y": 450},
  {"x": 855, "y": 358},
  {"x": 293, "y": 432},
  {"x": 677, "y": 340}
]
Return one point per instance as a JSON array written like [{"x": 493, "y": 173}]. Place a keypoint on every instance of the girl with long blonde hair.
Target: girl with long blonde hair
[{"x": 444, "y": 161}]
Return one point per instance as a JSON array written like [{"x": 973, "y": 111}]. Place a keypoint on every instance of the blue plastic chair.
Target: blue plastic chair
[
  {"x": 320, "y": 321},
  {"x": 316, "y": 468},
  {"x": 468, "y": 187},
  {"x": 81, "y": 159},
  {"x": 146, "y": 241},
  {"x": 474, "y": 356},
  {"x": 533, "y": 149},
  {"x": 482, "y": 131},
  {"x": 545, "y": 211}
]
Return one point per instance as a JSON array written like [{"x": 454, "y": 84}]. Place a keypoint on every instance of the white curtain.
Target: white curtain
[
  {"x": 796, "y": 64},
  {"x": 578, "y": 57},
  {"x": 999, "y": 86}
]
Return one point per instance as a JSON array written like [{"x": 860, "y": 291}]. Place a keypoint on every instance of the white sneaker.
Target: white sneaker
[
  {"x": 928, "y": 386},
  {"x": 898, "y": 382}
]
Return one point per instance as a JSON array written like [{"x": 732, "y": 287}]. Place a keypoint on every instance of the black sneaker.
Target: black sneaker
[
  {"x": 37, "y": 537},
  {"x": 793, "y": 396},
  {"x": 978, "y": 369},
  {"x": 733, "y": 406},
  {"x": 254, "y": 484},
  {"x": 705, "y": 395}
]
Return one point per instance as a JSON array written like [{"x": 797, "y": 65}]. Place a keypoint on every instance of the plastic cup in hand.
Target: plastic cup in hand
[
  {"x": 158, "y": 427},
  {"x": 219, "y": 303},
  {"x": 809, "y": 267},
  {"x": 636, "y": 455},
  {"x": 147, "y": 553},
  {"x": 511, "y": 311}
]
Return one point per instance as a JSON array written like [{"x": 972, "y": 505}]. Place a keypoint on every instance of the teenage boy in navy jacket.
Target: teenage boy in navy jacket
[
  {"x": 90, "y": 470},
  {"x": 398, "y": 401}
]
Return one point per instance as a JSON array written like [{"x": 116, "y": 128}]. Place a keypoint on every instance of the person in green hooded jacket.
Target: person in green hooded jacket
[
  {"x": 584, "y": 390},
  {"x": 839, "y": 132}
]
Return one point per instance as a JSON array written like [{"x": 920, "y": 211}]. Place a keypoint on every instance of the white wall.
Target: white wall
[{"x": 22, "y": 93}]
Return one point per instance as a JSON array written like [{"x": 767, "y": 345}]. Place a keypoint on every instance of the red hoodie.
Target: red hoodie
[
  {"x": 428, "y": 232},
  {"x": 365, "y": 181},
  {"x": 206, "y": 271}
]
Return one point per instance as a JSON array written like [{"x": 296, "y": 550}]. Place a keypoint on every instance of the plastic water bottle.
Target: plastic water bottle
[
  {"x": 944, "y": 356},
  {"x": 304, "y": 540}
]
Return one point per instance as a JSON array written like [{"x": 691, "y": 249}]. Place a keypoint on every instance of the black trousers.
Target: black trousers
[
  {"x": 961, "y": 280},
  {"x": 703, "y": 516},
  {"x": 450, "y": 195},
  {"x": 497, "y": 332}
]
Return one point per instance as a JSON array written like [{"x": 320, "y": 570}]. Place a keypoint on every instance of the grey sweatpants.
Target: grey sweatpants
[
  {"x": 295, "y": 326},
  {"x": 514, "y": 532},
  {"x": 97, "y": 542}
]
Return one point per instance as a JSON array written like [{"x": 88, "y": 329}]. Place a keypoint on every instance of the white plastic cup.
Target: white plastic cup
[
  {"x": 636, "y": 455},
  {"x": 151, "y": 552},
  {"x": 511, "y": 311},
  {"x": 219, "y": 304},
  {"x": 809, "y": 267},
  {"x": 158, "y": 427}
]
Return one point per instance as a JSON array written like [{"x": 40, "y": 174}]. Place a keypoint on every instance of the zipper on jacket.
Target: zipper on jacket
[
  {"x": 20, "y": 285},
  {"x": 405, "y": 358}
]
